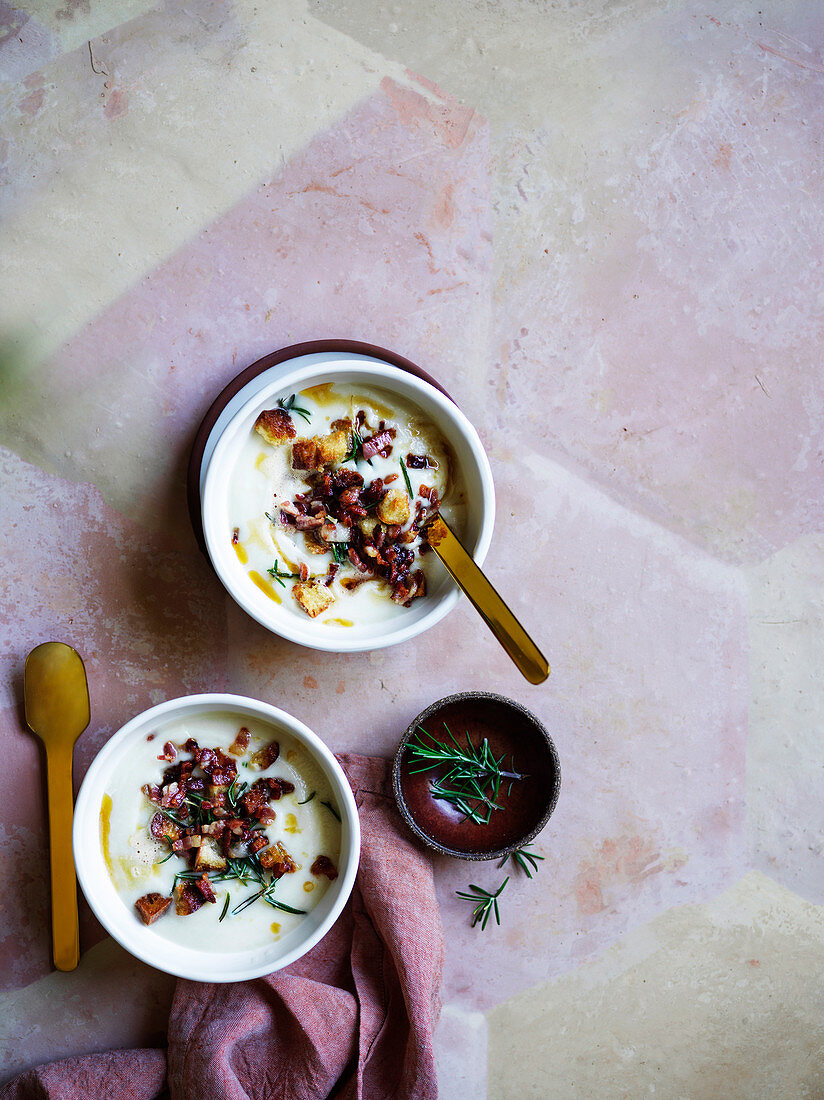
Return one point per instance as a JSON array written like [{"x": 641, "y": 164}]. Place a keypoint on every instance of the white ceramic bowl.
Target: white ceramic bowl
[
  {"x": 120, "y": 921},
  {"x": 473, "y": 468}
]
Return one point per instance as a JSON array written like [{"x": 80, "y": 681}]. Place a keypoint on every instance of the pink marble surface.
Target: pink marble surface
[{"x": 646, "y": 380}]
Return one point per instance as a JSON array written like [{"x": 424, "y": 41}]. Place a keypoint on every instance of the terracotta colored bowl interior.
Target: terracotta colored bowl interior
[{"x": 513, "y": 732}]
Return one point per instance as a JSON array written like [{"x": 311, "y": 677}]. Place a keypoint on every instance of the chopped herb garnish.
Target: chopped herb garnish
[
  {"x": 309, "y": 799},
  {"x": 270, "y": 517},
  {"x": 406, "y": 479},
  {"x": 225, "y": 907},
  {"x": 340, "y": 552},
  {"x": 485, "y": 903},
  {"x": 331, "y": 809},
  {"x": 278, "y": 574},
  {"x": 289, "y": 405},
  {"x": 165, "y": 858}
]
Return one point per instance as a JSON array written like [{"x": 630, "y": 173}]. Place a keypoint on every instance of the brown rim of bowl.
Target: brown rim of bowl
[
  {"x": 420, "y": 720},
  {"x": 293, "y": 351}
]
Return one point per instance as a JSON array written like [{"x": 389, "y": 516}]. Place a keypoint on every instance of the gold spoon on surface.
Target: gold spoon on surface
[
  {"x": 500, "y": 620},
  {"x": 57, "y": 711}
]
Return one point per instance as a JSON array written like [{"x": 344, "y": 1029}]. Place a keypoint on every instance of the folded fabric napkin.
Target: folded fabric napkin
[{"x": 352, "y": 1019}]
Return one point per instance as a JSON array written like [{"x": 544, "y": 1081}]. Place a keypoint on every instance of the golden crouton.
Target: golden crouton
[
  {"x": 315, "y": 545},
  {"x": 394, "y": 508},
  {"x": 333, "y": 448},
  {"x": 305, "y": 454},
  {"x": 209, "y": 856},
  {"x": 313, "y": 597},
  {"x": 275, "y": 425},
  {"x": 368, "y": 524},
  {"x": 319, "y": 451}
]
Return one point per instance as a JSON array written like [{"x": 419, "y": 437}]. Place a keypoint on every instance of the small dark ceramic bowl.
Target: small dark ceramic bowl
[{"x": 513, "y": 732}]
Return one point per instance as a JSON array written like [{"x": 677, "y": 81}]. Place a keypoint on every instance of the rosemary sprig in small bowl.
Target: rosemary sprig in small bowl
[{"x": 476, "y": 776}]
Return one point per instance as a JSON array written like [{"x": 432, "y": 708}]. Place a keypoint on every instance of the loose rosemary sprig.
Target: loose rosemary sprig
[
  {"x": 331, "y": 809},
  {"x": 485, "y": 903},
  {"x": 309, "y": 799},
  {"x": 526, "y": 860},
  {"x": 406, "y": 479},
  {"x": 278, "y": 574},
  {"x": 473, "y": 775},
  {"x": 340, "y": 552},
  {"x": 289, "y": 405}
]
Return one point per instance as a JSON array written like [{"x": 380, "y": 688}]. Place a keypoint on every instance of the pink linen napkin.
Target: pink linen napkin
[{"x": 353, "y": 1019}]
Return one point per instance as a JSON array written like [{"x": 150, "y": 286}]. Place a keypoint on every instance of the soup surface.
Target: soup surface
[
  {"x": 330, "y": 495},
  {"x": 246, "y": 806}
]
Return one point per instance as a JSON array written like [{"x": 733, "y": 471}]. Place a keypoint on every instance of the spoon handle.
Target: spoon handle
[
  {"x": 498, "y": 617},
  {"x": 65, "y": 934}
]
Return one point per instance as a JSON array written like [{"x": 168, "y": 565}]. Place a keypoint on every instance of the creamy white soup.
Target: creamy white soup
[
  {"x": 228, "y": 840},
  {"x": 330, "y": 496}
]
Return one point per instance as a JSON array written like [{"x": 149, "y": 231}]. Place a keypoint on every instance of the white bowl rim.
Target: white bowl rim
[
  {"x": 289, "y": 626},
  {"x": 215, "y": 967}
]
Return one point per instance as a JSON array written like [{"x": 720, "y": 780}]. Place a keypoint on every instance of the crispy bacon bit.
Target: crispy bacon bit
[
  {"x": 264, "y": 758},
  {"x": 323, "y": 865},
  {"x": 258, "y": 842},
  {"x": 331, "y": 573},
  {"x": 360, "y": 565},
  {"x": 173, "y": 796},
  {"x": 205, "y": 887},
  {"x": 192, "y": 746},
  {"x": 152, "y": 792},
  {"x": 235, "y": 535},
  {"x": 162, "y": 828},
  {"x": 278, "y": 787},
  {"x": 186, "y": 843},
  {"x": 188, "y": 899},
  {"x": 344, "y": 478},
  {"x": 380, "y": 444},
  {"x": 303, "y": 571},
  {"x": 241, "y": 742},
  {"x": 151, "y": 907},
  {"x": 150, "y": 737},
  {"x": 420, "y": 462},
  {"x": 169, "y": 752},
  {"x": 207, "y": 759},
  {"x": 266, "y": 815},
  {"x": 309, "y": 523},
  {"x": 390, "y": 479},
  {"x": 277, "y": 860}
]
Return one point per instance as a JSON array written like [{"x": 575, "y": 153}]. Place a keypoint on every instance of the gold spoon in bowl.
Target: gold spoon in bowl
[
  {"x": 57, "y": 711},
  {"x": 492, "y": 609}
]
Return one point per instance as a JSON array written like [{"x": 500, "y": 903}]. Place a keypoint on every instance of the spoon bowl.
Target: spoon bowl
[{"x": 57, "y": 712}]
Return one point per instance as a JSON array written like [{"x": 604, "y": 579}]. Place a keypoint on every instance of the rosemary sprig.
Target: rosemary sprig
[
  {"x": 331, "y": 809},
  {"x": 526, "y": 860},
  {"x": 472, "y": 777},
  {"x": 357, "y": 444},
  {"x": 284, "y": 908},
  {"x": 340, "y": 552},
  {"x": 289, "y": 406},
  {"x": 485, "y": 903},
  {"x": 271, "y": 518},
  {"x": 225, "y": 907},
  {"x": 309, "y": 799},
  {"x": 406, "y": 479},
  {"x": 278, "y": 574}
]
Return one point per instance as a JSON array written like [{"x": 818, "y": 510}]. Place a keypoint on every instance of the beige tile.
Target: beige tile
[{"x": 720, "y": 1000}]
